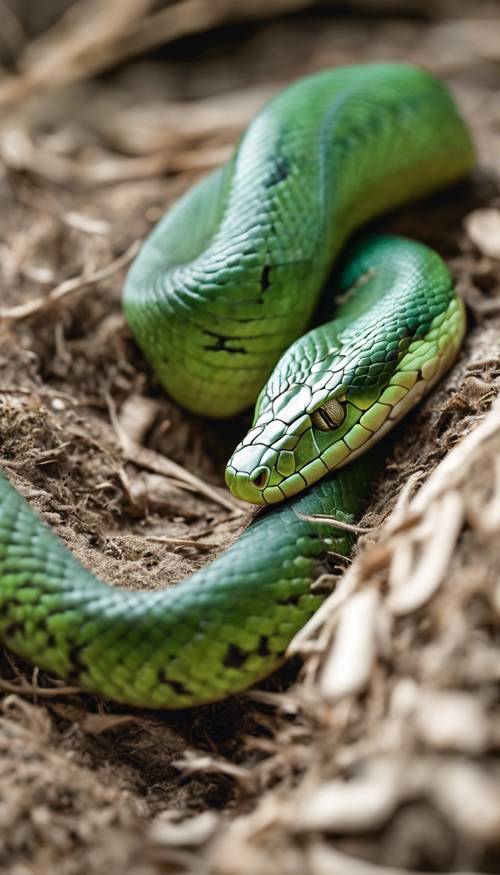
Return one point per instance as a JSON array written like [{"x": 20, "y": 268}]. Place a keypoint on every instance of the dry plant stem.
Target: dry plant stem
[
  {"x": 92, "y": 37},
  {"x": 194, "y": 763},
  {"x": 403, "y": 499},
  {"x": 152, "y": 139},
  {"x": 35, "y": 691},
  {"x": 202, "y": 546},
  {"x": 79, "y": 44},
  {"x": 69, "y": 287},
  {"x": 338, "y": 524},
  {"x": 154, "y": 126},
  {"x": 146, "y": 458},
  {"x": 20, "y": 151}
]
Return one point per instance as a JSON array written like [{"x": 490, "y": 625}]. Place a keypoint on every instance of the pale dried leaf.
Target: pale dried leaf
[
  {"x": 347, "y": 668},
  {"x": 483, "y": 228}
]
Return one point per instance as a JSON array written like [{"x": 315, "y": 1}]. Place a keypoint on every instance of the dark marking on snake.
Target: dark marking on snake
[
  {"x": 221, "y": 342},
  {"x": 264, "y": 278},
  {"x": 279, "y": 171},
  {"x": 289, "y": 600},
  {"x": 263, "y": 648},
  {"x": 78, "y": 667},
  {"x": 235, "y": 656},
  {"x": 12, "y": 630},
  {"x": 177, "y": 686}
]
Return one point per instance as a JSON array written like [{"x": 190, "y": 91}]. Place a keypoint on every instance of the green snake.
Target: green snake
[{"x": 219, "y": 299}]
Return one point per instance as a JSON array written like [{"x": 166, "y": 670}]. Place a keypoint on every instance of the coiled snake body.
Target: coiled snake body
[{"x": 222, "y": 288}]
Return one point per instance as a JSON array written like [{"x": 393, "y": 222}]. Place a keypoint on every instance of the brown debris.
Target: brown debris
[
  {"x": 483, "y": 228},
  {"x": 69, "y": 287},
  {"x": 382, "y": 758}
]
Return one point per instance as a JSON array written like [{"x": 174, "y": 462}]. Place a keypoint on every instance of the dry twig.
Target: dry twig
[
  {"x": 143, "y": 457},
  {"x": 69, "y": 287}
]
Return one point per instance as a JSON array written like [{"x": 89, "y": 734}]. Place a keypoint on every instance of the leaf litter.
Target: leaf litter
[{"x": 380, "y": 755}]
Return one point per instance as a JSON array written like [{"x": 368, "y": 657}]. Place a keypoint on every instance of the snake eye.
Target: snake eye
[{"x": 329, "y": 416}]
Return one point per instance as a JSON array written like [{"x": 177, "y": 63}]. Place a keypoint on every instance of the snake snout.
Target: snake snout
[
  {"x": 246, "y": 476},
  {"x": 260, "y": 477},
  {"x": 248, "y": 487}
]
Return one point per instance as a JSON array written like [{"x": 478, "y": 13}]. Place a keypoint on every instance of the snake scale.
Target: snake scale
[{"x": 219, "y": 299}]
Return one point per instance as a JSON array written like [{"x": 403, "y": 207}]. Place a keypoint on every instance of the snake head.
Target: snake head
[
  {"x": 329, "y": 400},
  {"x": 299, "y": 434},
  {"x": 281, "y": 454}
]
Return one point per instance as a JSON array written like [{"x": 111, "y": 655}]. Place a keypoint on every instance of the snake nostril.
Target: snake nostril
[{"x": 260, "y": 478}]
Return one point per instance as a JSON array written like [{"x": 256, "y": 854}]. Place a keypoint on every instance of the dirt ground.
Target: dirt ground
[{"x": 381, "y": 754}]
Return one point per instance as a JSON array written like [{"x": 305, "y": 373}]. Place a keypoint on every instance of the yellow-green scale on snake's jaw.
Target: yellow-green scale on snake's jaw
[{"x": 342, "y": 386}]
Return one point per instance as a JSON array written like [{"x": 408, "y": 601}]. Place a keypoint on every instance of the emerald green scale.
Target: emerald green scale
[{"x": 231, "y": 276}]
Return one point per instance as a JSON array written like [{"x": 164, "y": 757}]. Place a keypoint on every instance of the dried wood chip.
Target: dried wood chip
[
  {"x": 157, "y": 492},
  {"x": 412, "y": 593},
  {"x": 137, "y": 415},
  {"x": 483, "y": 228},
  {"x": 363, "y": 803},
  {"x": 348, "y": 665},
  {"x": 166, "y": 830},
  {"x": 452, "y": 720},
  {"x": 87, "y": 224}
]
